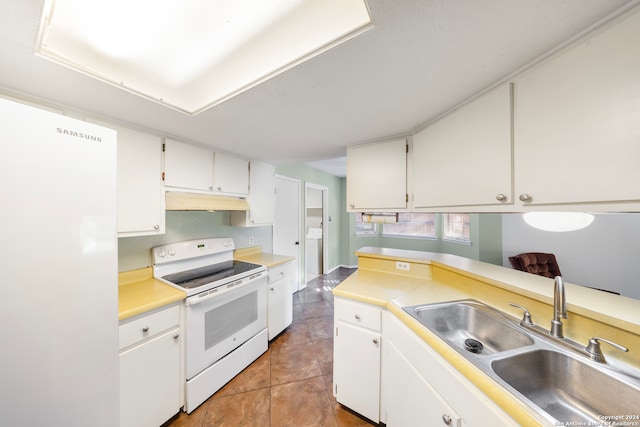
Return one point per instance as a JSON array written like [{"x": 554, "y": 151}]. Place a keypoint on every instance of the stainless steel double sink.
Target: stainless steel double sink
[{"x": 550, "y": 375}]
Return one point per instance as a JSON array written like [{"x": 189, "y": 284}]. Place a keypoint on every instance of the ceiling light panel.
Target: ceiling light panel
[{"x": 193, "y": 54}]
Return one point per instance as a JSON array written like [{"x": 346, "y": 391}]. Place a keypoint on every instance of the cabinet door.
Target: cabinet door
[
  {"x": 464, "y": 159},
  {"x": 230, "y": 175},
  {"x": 280, "y": 313},
  {"x": 262, "y": 193},
  {"x": 140, "y": 188},
  {"x": 411, "y": 401},
  {"x": 356, "y": 369},
  {"x": 377, "y": 176},
  {"x": 187, "y": 166},
  {"x": 577, "y": 121},
  {"x": 451, "y": 390},
  {"x": 150, "y": 382},
  {"x": 262, "y": 197}
]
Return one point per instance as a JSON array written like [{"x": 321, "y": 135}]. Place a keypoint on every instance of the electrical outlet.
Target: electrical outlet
[
  {"x": 404, "y": 266},
  {"x": 251, "y": 240}
]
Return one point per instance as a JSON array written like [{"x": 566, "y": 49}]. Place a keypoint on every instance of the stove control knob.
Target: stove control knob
[
  {"x": 172, "y": 252},
  {"x": 161, "y": 253}
]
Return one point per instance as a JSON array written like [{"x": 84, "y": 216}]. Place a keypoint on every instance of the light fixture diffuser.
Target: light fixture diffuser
[
  {"x": 193, "y": 54},
  {"x": 558, "y": 221}
]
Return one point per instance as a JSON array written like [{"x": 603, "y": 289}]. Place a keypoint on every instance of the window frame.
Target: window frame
[
  {"x": 459, "y": 239},
  {"x": 359, "y": 232},
  {"x": 433, "y": 221}
]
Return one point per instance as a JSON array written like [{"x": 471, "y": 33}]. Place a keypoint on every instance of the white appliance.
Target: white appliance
[
  {"x": 314, "y": 251},
  {"x": 59, "y": 311},
  {"x": 225, "y": 311}
]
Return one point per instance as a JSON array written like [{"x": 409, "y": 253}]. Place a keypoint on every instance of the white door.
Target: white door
[{"x": 286, "y": 228}]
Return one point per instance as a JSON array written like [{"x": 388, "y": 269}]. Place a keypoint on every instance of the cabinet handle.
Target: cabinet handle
[
  {"x": 501, "y": 197},
  {"x": 176, "y": 336},
  {"x": 271, "y": 288},
  {"x": 145, "y": 329},
  {"x": 219, "y": 188},
  {"x": 525, "y": 198},
  {"x": 156, "y": 227},
  {"x": 352, "y": 205},
  {"x": 282, "y": 273},
  {"x": 446, "y": 419},
  {"x": 211, "y": 188},
  {"x": 357, "y": 316},
  {"x": 375, "y": 340}
]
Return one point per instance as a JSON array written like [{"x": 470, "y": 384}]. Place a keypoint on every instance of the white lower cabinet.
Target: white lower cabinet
[
  {"x": 280, "y": 300},
  {"x": 411, "y": 400},
  {"x": 421, "y": 388},
  {"x": 150, "y": 374},
  {"x": 356, "y": 358}
]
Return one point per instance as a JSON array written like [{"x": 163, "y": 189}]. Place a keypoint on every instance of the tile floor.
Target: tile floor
[{"x": 290, "y": 384}]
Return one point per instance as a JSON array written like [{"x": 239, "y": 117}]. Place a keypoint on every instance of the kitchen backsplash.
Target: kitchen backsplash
[{"x": 135, "y": 252}]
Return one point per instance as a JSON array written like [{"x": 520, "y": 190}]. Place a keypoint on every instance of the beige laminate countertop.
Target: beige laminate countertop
[
  {"x": 441, "y": 277},
  {"x": 139, "y": 292},
  {"x": 256, "y": 256}
]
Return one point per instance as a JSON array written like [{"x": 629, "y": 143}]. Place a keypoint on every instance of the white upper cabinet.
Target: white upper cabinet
[
  {"x": 230, "y": 175},
  {"x": 262, "y": 197},
  {"x": 140, "y": 190},
  {"x": 577, "y": 121},
  {"x": 191, "y": 168},
  {"x": 464, "y": 159},
  {"x": 377, "y": 176},
  {"x": 187, "y": 167}
]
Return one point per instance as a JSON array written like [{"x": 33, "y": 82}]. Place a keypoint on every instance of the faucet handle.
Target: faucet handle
[
  {"x": 526, "y": 318},
  {"x": 596, "y": 353}
]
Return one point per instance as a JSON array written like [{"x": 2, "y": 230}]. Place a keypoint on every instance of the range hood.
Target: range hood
[{"x": 176, "y": 201}]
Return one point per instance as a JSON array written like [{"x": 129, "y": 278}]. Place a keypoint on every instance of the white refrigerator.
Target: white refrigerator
[{"x": 58, "y": 270}]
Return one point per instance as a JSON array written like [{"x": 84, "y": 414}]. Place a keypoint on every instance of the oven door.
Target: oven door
[{"x": 217, "y": 324}]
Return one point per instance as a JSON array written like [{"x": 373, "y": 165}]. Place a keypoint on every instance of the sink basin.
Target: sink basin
[
  {"x": 471, "y": 327},
  {"x": 566, "y": 388},
  {"x": 554, "y": 377}
]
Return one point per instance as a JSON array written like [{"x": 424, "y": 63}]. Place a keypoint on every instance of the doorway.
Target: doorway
[{"x": 316, "y": 230}]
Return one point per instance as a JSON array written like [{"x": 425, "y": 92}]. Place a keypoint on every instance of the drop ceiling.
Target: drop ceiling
[{"x": 423, "y": 58}]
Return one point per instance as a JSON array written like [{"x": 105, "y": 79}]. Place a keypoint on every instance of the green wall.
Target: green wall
[
  {"x": 486, "y": 241},
  {"x": 135, "y": 252}
]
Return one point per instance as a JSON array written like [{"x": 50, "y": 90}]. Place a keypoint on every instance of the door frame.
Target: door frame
[{"x": 325, "y": 224}]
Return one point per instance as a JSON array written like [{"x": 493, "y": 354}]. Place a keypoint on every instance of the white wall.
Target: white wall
[{"x": 604, "y": 255}]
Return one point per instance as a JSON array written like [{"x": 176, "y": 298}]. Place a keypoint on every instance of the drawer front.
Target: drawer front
[
  {"x": 147, "y": 326},
  {"x": 279, "y": 272},
  {"x": 356, "y": 313}
]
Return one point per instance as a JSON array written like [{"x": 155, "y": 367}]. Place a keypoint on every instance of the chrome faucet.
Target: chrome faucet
[{"x": 559, "y": 308}]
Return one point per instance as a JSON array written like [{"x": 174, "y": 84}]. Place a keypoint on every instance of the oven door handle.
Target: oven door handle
[{"x": 216, "y": 293}]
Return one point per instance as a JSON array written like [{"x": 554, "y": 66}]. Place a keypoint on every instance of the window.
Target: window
[
  {"x": 412, "y": 224},
  {"x": 364, "y": 228},
  {"x": 455, "y": 227}
]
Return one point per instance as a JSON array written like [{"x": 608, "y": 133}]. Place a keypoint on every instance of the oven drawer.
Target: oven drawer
[
  {"x": 146, "y": 326},
  {"x": 357, "y": 313}
]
